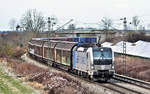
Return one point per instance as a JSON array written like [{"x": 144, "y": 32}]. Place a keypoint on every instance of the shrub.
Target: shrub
[
  {"x": 6, "y": 51},
  {"x": 135, "y": 36}
]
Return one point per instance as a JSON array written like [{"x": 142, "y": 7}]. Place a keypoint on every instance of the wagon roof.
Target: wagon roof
[{"x": 62, "y": 45}]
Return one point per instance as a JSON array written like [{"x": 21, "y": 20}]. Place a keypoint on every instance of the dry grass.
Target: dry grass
[
  {"x": 135, "y": 67},
  {"x": 53, "y": 82},
  {"x": 9, "y": 84}
]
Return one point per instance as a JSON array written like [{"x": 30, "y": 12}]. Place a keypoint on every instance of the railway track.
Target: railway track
[
  {"x": 112, "y": 85},
  {"x": 139, "y": 83},
  {"x": 120, "y": 89}
]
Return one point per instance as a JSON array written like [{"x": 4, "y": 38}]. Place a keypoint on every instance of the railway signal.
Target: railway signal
[
  {"x": 51, "y": 22},
  {"x": 124, "y": 43}
]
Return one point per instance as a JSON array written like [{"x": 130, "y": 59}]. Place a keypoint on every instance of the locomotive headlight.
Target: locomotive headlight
[
  {"x": 112, "y": 66},
  {"x": 92, "y": 67}
]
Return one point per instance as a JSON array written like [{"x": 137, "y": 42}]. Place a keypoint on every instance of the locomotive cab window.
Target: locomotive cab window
[{"x": 102, "y": 56}]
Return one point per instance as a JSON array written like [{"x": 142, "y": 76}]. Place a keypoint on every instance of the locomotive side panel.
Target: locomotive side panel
[{"x": 80, "y": 61}]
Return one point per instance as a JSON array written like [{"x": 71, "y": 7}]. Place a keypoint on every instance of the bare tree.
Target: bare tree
[
  {"x": 12, "y": 24},
  {"x": 135, "y": 22},
  {"x": 106, "y": 23},
  {"x": 33, "y": 21}
]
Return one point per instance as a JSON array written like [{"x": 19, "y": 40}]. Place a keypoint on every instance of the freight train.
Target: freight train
[{"x": 82, "y": 56}]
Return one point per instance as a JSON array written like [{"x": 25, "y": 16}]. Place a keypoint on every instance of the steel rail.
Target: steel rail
[
  {"x": 128, "y": 89},
  {"x": 137, "y": 82}
]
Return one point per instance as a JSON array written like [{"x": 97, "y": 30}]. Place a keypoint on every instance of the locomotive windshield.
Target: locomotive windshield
[{"x": 102, "y": 56}]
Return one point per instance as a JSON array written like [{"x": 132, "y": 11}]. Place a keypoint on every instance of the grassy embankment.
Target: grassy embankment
[{"x": 12, "y": 85}]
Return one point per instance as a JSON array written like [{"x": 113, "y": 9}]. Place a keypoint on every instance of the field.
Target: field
[{"x": 136, "y": 67}]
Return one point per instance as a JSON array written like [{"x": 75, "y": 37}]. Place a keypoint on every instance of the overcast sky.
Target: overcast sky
[{"x": 88, "y": 11}]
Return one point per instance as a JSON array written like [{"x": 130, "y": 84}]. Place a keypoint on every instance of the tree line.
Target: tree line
[{"x": 33, "y": 20}]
